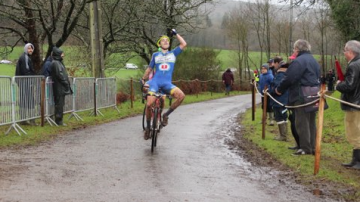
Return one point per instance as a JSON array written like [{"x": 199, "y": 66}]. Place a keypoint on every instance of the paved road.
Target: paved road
[{"x": 112, "y": 162}]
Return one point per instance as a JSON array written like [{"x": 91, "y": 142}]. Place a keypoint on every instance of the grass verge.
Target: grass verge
[{"x": 334, "y": 151}]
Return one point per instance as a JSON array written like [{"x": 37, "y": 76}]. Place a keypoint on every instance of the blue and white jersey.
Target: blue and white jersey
[{"x": 164, "y": 64}]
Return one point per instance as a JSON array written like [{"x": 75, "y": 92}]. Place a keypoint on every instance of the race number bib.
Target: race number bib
[{"x": 164, "y": 67}]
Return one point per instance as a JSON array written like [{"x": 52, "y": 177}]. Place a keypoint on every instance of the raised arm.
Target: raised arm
[{"x": 180, "y": 39}]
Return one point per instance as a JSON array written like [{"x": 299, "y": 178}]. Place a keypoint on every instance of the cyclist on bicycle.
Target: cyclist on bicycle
[
  {"x": 145, "y": 89},
  {"x": 164, "y": 62}
]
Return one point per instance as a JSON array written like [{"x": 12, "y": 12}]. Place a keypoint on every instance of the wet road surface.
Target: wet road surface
[{"x": 112, "y": 162}]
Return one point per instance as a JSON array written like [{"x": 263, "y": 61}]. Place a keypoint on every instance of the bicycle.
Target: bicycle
[
  {"x": 156, "y": 118},
  {"x": 144, "y": 96}
]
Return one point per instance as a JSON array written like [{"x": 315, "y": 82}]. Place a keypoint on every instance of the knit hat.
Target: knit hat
[
  {"x": 265, "y": 65},
  {"x": 270, "y": 60}
]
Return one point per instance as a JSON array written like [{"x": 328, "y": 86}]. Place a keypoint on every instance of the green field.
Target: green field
[{"x": 78, "y": 61}]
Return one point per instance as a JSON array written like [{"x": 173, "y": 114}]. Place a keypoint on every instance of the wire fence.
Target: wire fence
[{"x": 131, "y": 88}]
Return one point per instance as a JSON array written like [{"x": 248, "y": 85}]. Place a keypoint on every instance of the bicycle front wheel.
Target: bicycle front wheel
[{"x": 154, "y": 130}]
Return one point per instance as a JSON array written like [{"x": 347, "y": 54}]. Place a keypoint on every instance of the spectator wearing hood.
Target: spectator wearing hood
[
  {"x": 265, "y": 81},
  {"x": 61, "y": 84},
  {"x": 228, "y": 80},
  {"x": 330, "y": 78},
  {"x": 46, "y": 67},
  {"x": 24, "y": 67}
]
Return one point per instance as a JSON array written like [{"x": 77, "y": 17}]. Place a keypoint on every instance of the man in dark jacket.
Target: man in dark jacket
[
  {"x": 228, "y": 80},
  {"x": 330, "y": 78},
  {"x": 304, "y": 71},
  {"x": 24, "y": 67},
  {"x": 350, "y": 92},
  {"x": 46, "y": 71},
  {"x": 61, "y": 85}
]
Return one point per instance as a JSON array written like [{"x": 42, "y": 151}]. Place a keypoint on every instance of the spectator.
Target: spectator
[
  {"x": 350, "y": 92},
  {"x": 256, "y": 76},
  {"x": 280, "y": 111},
  {"x": 24, "y": 67},
  {"x": 330, "y": 78},
  {"x": 303, "y": 72},
  {"x": 46, "y": 67},
  {"x": 271, "y": 67},
  {"x": 265, "y": 81},
  {"x": 293, "y": 130},
  {"x": 61, "y": 85},
  {"x": 228, "y": 80},
  {"x": 276, "y": 64},
  {"x": 292, "y": 117}
]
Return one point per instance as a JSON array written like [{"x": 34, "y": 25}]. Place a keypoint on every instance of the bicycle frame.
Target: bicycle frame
[{"x": 156, "y": 106}]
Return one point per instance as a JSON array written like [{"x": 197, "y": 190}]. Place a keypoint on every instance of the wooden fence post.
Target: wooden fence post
[
  {"x": 264, "y": 112},
  {"x": 319, "y": 129},
  {"x": 131, "y": 93},
  {"x": 253, "y": 99}
]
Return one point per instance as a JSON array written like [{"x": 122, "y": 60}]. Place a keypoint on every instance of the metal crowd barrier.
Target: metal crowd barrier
[
  {"x": 68, "y": 106},
  {"x": 105, "y": 93},
  {"x": 20, "y": 98},
  {"x": 49, "y": 101},
  {"x": 5, "y": 101},
  {"x": 83, "y": 96},
  {"x": 26, "y": 100}
]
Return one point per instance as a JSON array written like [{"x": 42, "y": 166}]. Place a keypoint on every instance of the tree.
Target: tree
[
  {"x": 238, "y": 30},
  {"x": 261, "y": 19},
  {"x": 135, "y": 26},
  {"x": 345, "y": 13},
  {"x": 200, "y": 63},
  {"x": 38, "y": 20},
  {"x": 322, "y": 24},
  {"x": 280, "y": 33}
]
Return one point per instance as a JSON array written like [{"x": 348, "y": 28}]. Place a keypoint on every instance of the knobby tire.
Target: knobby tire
[
  {"x": 144, "y": 118},
  {"x": 154, "y": 130}
]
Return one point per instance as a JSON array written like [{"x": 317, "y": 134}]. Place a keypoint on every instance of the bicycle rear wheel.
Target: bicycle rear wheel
[
  {"x": 144, "y": 118},
  {"x": 154, "y": 130}
]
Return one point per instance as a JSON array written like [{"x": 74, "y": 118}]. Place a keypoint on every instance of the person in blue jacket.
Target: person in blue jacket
[
  {"x": 265, "y": 81},
  {"x": 280, "y": 111}
]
